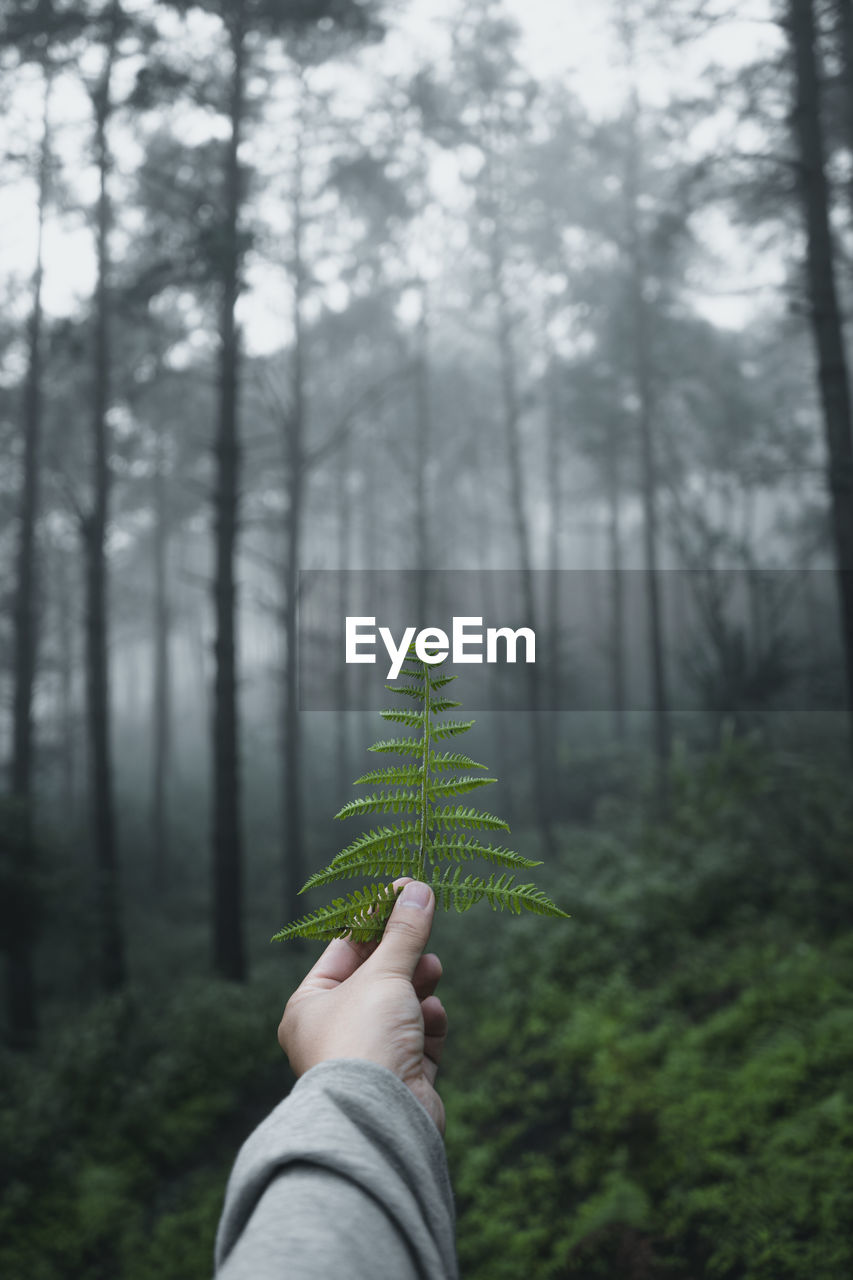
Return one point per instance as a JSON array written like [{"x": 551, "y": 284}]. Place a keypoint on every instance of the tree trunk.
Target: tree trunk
[
  {"x": 345, "y": 534},
  {"x": 228, "y": 948},
  {"x": 107, "y": 896},
  {"x": 557, "y": 667},
  {"x": 617, "y": 591},
  {"x": 161, "y": 726},
  {"x": 294, "y": 876},
  {"x": 22, "y": 1013},
  {"x": 67, "y": 623},
  {"x": 643, "y": 380},
  {"x": 540, "y": 748},
  {"x": 423, "y": 442},
  {"x": 833, "y": 375},
  {"x": 506, "y": 748},
  {"x": 844, "y": 18},
  {"x": 294, "y": 444}
]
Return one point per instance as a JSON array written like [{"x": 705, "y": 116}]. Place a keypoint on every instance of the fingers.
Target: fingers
[
  {"x": 435, "y": 1035},
  {"x": 337, "y": 963},
  {"x": 407, "y": 931},
  {"x": 426, "y": 976},
  {"x": 435, "y": 1019}
]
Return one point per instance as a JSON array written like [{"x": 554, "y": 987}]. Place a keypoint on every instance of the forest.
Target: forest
[{"x": 531, "y": 313}]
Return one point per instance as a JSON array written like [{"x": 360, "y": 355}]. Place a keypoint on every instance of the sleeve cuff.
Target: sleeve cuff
[{"x": 357, "y": 1121}]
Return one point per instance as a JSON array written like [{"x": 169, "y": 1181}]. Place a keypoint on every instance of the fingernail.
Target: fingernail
[{"x": 415, "y": 894}]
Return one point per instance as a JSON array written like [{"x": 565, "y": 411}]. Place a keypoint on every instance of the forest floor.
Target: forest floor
[{"x": 659, "y": 1087}]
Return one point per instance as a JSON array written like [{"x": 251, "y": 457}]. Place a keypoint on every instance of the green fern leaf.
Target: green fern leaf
[
  {"x": 373, "y": 843},
  {"x": 500, "y": 892},
  {"x": 382, "y": 802},
  {"x": 402, "y": 746},
  {"x": 429, "y": 834},
  {"x": 405, "y": 774},
  {"x": 450, "y": 816},
  {"x": 404, "y": 717},
  {"x": 456, "y": 786},
  {"x": 408, "y": 690},
  {"x": 360, "y": 915},
  {"x": 450, "y": 728},
  {"x": 466, "y": 850},
  {"x": 452, "y": 760},
  {"x": 390, "y": 862}
]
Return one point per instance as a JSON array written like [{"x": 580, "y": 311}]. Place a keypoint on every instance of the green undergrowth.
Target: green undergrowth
[
  {"x": 661, "y": 1089},
  {"x": 668, "y": 1092},
  {"x": 115, "y": 1143}
]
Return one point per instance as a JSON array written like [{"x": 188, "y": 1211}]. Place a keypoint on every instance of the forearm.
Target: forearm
[{"x": 347, "y": 1176}]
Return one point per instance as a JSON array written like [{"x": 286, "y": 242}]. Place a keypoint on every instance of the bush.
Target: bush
[
  {"x": 115, "y": 1145},
  {"x": 659, "y": 1088},
  {"x": 662, "y": 1088}
]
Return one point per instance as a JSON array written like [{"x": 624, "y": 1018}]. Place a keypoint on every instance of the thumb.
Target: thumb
[{"x": 407, "y": 931}]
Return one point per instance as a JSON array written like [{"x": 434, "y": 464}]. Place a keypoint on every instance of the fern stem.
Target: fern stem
[{"x": 424, "y": 777}]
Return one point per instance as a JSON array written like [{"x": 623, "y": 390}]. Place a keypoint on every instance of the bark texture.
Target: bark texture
[
  {"x": 229, "y": 959},
  {"x": 644, "y": 388},
  {"x": 833, "y": 372},
  {"x": 111, "y": 953},
  {"x": 22, "y": 1012},
  {"x": 296, "y": 467}
]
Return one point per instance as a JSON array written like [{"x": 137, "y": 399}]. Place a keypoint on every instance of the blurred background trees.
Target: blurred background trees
[{"x": 335, "y": 284}]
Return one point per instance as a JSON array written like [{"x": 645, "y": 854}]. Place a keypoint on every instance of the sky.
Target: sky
[{"x": 569, "y": 39}]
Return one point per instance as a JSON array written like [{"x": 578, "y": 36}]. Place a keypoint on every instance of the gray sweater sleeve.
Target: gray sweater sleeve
[{"x": 347, "y": 1176}]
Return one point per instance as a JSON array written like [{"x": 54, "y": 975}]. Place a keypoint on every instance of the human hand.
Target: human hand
[{"x": 376, "y": 1001}]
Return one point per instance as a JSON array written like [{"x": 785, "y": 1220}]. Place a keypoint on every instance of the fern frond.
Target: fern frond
[
  {"x": 382, "y": 802},
  {"x": 452, "y": 760},
  {"x": 373, "y": 842},
  {"x": 451, "y": 815},
  {"x": 501, "y": 893},
  {"x": 409, "y": 690},
  {"x": 379, "y": 838},
  {"x": 391, "y": 863},
  {"x": 450, "y": 728},
  {"x": 361, "y": 915},
  {"x": 387, "y": 858},
  {"x": 441, "y": 681},
  {"x": 405, "y": 774},
  {"x": 414, "y": 718},
  {"x": 416, "y": 788},
  {"x": 456, "y": 786},
  {"x": 402, "y": 746},
  {"x": 463, "y": 850}
]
